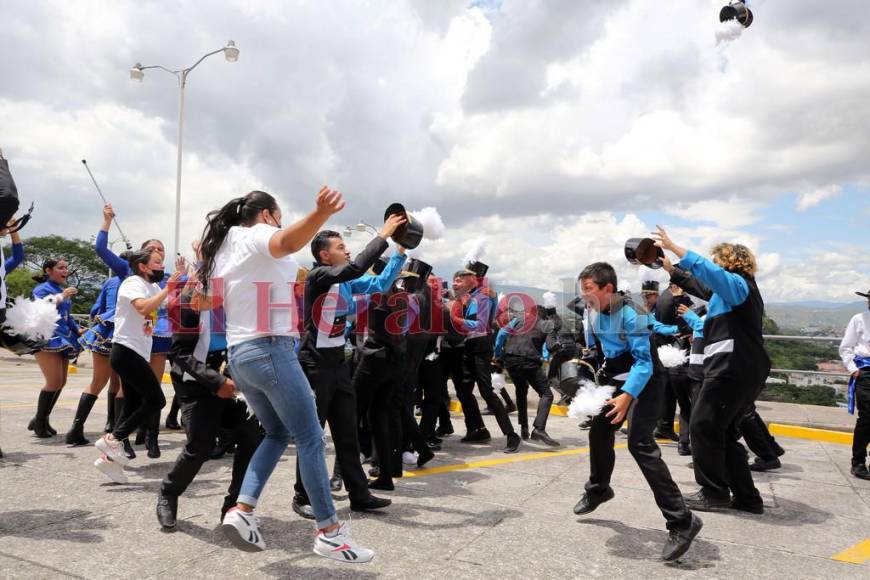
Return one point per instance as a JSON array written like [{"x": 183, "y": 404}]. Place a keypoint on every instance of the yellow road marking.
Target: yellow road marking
[
  {"x": 798, "y": 432},
  {"x": 501, "y": 461},
  {"x": 857, "y": 554}
]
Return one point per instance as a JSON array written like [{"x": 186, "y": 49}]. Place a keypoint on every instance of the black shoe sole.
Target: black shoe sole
[
  {"x": 369, "y": 508},
  {"x": 716, "y": 508}
]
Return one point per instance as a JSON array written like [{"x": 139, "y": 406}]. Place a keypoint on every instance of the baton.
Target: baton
[{"x": 103, "y": 197}]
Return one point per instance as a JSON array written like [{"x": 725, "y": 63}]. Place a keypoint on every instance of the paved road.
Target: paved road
[{"x": 478, "y": 513}]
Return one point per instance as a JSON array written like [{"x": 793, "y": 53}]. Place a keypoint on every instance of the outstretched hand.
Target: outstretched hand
[
  {"x": 329, "y": 201},
  {"x": 664, "y": 241},
  {"x": 620, "y": 403}
]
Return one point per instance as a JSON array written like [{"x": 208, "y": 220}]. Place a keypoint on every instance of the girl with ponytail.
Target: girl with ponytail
[
  {"x": 53, "y": 358},
  {"x": 245, "y": 247}
]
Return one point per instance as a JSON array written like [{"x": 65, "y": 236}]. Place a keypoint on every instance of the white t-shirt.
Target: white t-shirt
[
  {"x": 131, "y": 328},
  {"x": 257, "y": 288}
]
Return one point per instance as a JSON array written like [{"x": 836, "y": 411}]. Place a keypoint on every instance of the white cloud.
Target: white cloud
[
  {"x": 733, "y": 212},
  {"x": 813, "y": 198}
]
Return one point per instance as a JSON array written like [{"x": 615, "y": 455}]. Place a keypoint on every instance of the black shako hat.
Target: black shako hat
[
  {"x": 644, "y": 251},
  {"x": 408, "y": 235}
]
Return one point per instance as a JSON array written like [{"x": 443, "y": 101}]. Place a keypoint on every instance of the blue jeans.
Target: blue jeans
[{"x": 267, "y": 372}]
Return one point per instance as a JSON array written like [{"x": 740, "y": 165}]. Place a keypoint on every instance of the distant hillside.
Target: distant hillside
[{"x": 813, "y": 317}]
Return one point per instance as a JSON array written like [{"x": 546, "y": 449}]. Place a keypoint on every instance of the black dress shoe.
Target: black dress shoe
[
  {"x": 167, "y": 509},
  {"x": 335, "y": 482},
  {"x": 152, "y": 446},
  {"x": 434, "y": 443},
  {"x": 382, "y": 485},
  {"x": 584, "y": 425},
  {"x": 478, "y": 436},
  {"x": 752, "y": 508},
  {"x": 302, "y": 507},
  {"x": 444, "y": 431},
  {"x": 424, "y": 456},
  {"x": 128, "y": 449},
  {"x": 172, "y": 423},
  {"x": 765, "y": 464},
  {"x": 684, "y": 449},
  {"x": 699, "y": 501},
  {"x": 589, "y": 502},
  {"x": 778, "y": 449},
  {"x": 513, "y": 443},
  {"x": 666, "y": 434},
  {"x": 524, "y": 433},
  {"x": 371, "y": 503},
  {"x": 375, "y": 471},
  {"x": 680, "y": 540},
  {"x": 541, "y": 435},
  {"x": 861, "y": 472}
]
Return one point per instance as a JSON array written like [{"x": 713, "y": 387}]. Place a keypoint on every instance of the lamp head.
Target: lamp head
[
  {"x": 136, "y": 72},
  {"x": 231, "y": 53}
]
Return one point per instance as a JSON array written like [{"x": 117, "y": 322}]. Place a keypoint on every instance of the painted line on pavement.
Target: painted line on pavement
[
  {"x": 501, "y": 461},
  {"x": 857, "y": 554}
]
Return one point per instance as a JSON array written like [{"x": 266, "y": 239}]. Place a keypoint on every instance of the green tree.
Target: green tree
[
  {"x": 20, "y": 282},
  {"x": 86, "y": 271}
]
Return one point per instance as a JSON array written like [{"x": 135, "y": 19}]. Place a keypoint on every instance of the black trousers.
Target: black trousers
[
  {"x": 861, "y": 436},
  {"x": 204, "y": 417},
  {"x": 376, "y": 382},
  {"x": 669, "y": 404},
  {"x": 337, "y": 405},
  {"x": 680, "y": 382},
  {"x": 451, "y": 366},
  {"x": 756, "y": 434},
  {"x": 433, "y": 383},
  {"x": 525, "y": 374},
  {"x": 476, "y": 369},
  {"x": 643, "y": 447},
  {"x": 721, "y": 463},
  {"x": 143, "y": 395}
]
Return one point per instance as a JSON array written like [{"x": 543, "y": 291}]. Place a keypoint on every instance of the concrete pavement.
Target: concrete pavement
[{"x": 478, "y": 513}]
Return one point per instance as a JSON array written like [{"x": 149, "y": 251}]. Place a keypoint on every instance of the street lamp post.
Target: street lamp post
[
  {"x": 360, "y": 227},
  {"x": 137, "y": 73}
]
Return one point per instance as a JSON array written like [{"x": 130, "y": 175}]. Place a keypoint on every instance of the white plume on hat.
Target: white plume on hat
[
  {"x": 33, "y": 319},
  {"x": 728, "y": 31},
  {"x": 549, "y": 299},
  {"x": 478, "y": 249},
  {"x": 433, "y": 226}
]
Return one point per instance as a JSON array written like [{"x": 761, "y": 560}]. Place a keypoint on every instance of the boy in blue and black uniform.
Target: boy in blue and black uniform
[
  {"x": 736, "y": 366},
  {"x": 621, "y": 331},
  {"x": 329, "y": 290}
]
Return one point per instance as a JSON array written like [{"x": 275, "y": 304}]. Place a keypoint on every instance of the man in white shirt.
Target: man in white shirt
[{"x": 855, "y": 352}]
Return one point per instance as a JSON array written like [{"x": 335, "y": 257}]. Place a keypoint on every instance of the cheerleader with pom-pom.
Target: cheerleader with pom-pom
[{"x": 54, "y": 356}]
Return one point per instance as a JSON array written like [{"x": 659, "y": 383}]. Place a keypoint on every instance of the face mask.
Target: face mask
[{"x": 155, "y": 276}]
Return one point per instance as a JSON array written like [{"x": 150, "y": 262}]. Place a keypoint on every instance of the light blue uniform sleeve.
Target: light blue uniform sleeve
[
  {"x": 731, "y": 287},
  {"x": 368, "y": 284},
  {"x": 694, "y": 321},
  {"x": 502, "y": 335},
  {"x": 120, "y": 267},
  {"x": 473, "y": 309},
  {"x": 659, "y": 328},
  {"x": 15, "y": 259},
  {"x": 637, "y": 335}
]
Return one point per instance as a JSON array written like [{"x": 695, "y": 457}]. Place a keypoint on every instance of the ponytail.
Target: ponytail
[
  {"x": 46, "y": 265},
  {"x": 241, "y": 211}
]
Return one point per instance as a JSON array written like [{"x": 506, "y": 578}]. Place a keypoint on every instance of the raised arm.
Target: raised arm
[
  {"x": 119, "y": 266},
  {"x": 293, "y": 238},
  {"x": 17, "y": 256}
]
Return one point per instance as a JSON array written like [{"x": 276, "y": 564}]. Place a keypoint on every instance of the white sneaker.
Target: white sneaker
[
  {"x": 111, "y": 469},
  {"x": 341, "y": 547},
  {"x": 409, "y": 458},
  {"x": 243, "y": 530},
  {"x": 112, "y": 449}
]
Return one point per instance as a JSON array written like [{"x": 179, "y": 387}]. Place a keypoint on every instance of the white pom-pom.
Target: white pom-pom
[
  {"x": 672, "y": 356},
  {"x": 475, "y": 254},
  {"x": 589, "y": 400},
  {"x": 862, "y": 350},
  {"x": 549, "y": 299},
  {"x": 498, "y": 382},
  {"x": 433, "y": 226},
  {"x": 33, "y": 319}
]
